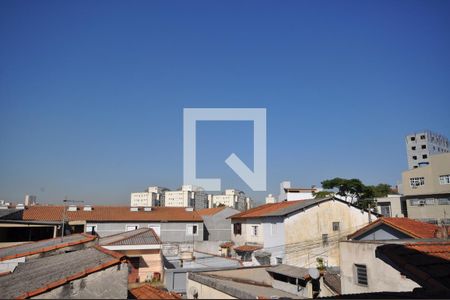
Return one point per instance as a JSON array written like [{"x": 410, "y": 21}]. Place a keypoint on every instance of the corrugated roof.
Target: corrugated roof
[
  {"x": 413, "y": 228},
  {"x": 110, "y": 213},
  {"x": 428, "y": 264},
  {"x": 40, "y": 275},
  {"x": 32, "y": 248},
  {"x": 147, "y": 291},
  {"x": 142, "y": 236},
  {"x": 284, "y": 208}
]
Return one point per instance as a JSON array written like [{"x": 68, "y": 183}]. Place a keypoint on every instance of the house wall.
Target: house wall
[
  {"x": 110, "y": 283},
  {"x": 169, "y": 231},
  {"x": 303, "y": 232},
  {"x": 150, "y": 263},
  {"x": 433, "y": 211},
  {"x": 380, "y": 276},
  {"x": 394, "y": 203},
  {"x": 218, "y": 226},
  {"x": 204, "y": 291},
  {"x": 274, "y": 237},
  {"x": 246, "y": 235}
]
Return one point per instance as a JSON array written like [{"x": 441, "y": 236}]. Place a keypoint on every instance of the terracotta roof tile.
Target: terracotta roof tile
[
  {"x": 110, "y": 213},
  {"x": 413, "y": 228},
  {"x": 210, "y": 211},
  {"x": 247, "y": 248},
  {"x": 147, "y": 291},
  {"x": 261, "y": 211}
]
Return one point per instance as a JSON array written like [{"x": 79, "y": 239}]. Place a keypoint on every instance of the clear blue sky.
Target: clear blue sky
[{"x": 92, "y": 92}]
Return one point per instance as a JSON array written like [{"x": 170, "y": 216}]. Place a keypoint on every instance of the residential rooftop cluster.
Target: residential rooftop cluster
[{"x": 299, "y": 244}]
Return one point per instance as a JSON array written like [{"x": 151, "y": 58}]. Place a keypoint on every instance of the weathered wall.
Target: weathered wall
[
  {"x": 150, "y": 263},
  {"x": 246, "y": 235},
  {"x": 110, "y": 283},
  {"x": 380, "y": 276},
  {"x": 218, "y": 226},
  {"x": 204, "y": 291},
  {"x": 274, "y": 237},
  {"x": 304, "y": 230}
]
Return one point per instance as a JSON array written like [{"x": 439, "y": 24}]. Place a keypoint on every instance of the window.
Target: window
[
  {"x": 424, "y": 146},
  {"x": 324, "y": 240},
  {"x": 361, "y": 274},
  {"x": 237, "y": 228},
  {"x": 385, "y": 210},
  {"x": 416, "y": 181},
  {"x": 414, "y": 157},
  {"x": 335, "y": 226},
  {"x": 131, "y": 227},
  {"x": 413, "y": 148},
  {"x": 424, "y": 156},
  {"x": 429, "y": 201},
  {"x": 444, "y": 201},
  {"x": 413, "y": 138},
  {"x": 255, "y": 230},
  {"x": 422, "y": 137},
  {"x": 279, "y": 260},
  {"x": 444, "y": 179},
  {"x": 191, "y": 229},
  {"x": 91, "y": 229}
]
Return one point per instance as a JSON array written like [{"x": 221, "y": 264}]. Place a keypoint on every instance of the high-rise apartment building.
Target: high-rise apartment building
[
  {"x": 188, "y": 196},
  {"x": 420, "y": 146},
  {"x": 152, "y": 196},
  {"x": 231, "y": 198}
]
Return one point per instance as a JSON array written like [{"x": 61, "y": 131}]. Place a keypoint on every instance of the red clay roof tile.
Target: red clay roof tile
[{"x": 147, "y": 291}]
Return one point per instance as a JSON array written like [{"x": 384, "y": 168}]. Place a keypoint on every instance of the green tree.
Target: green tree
[
  {"x": 322, "y": 194},
  {"x": 353, "y": 188}
]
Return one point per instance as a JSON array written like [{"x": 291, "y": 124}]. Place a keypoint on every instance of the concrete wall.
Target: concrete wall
[
  {"x": 246, "y": 235},
  {"x": 150, "y": 263},
  {"x": 394, "y": 202},
  {"x": 218, "y": 227},
  {"x": 429, "y": 211},
  {"x": 380, "y": 276},
  {"x": 304, "y": 230},
  {"x": 274, "y": 238},
  {"x": 169, "y": 231},
  {"x": 110, "y": 283},
  {"x": 204, "y": 291},
  {"x": 212, "y": 247}
]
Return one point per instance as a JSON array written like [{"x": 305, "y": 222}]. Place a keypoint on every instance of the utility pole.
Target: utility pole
[{"x": 64, "y": 214}]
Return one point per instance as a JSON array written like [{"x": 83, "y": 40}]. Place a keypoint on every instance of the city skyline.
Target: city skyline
[{"x": 92, "y": 95}]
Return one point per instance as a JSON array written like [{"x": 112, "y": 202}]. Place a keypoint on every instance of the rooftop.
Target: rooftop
[
  {"x": 110, "y": 213},
  {"x": 291, "y": 271},
  {"x": 283, "y": 208},
  {"x": 238, "y": 287},
  {"x": 413, "y": 228},
  {"x": 428, "y": 264},
  {"x": 147, "y": 291},
  {"x": 247, "y": 248},
  {"x": 210, "y": 211},
  {"x": 32, "y": 248},
  {"x": 40, "y": 275},
  {"x": 142, "y": 236}
]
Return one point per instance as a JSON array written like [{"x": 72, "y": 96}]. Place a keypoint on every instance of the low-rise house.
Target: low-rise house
[
  {"x": 143, "y": 249},
  {"x": 296, "y": 232},
  {"x": 172, "y": 224},
  {"x": 89, "y": 273},
  {"x": 391, "y": 206},
  {"x": 362, "y": 272},
  {"x": 11, "y": 256}
]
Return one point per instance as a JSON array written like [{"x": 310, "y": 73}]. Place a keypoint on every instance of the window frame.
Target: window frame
[
  {"x": 190, "y": 232},
  {"x": 254, "y": 230},
  {"x": 338, "y": 226},
  {"x": 357, "y": 268}
]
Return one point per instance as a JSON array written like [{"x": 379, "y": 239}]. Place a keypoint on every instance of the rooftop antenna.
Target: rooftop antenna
[{"x": 64, "y": 214}]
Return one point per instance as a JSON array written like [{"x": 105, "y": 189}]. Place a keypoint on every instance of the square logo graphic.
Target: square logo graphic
[{"x": 255, "y": 179}]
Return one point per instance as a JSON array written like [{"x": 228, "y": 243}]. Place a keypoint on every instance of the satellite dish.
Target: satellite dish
[{"x": 314, "y": 273}]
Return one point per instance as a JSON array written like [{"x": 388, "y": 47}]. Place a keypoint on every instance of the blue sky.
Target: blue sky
[{"x": 92, "y": 92}]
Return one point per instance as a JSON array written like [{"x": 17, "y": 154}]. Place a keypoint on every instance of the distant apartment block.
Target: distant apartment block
[
  {"x": 188, "y": 196},
  {"x": 231, "y": 198},
  {"x": 422, "y": 145},
  {"x": 30, "y": 200},
  {"x": 426, "y": 190},
  {"x": 271, "y": 199},
  {"x": 153, "y": 196}
]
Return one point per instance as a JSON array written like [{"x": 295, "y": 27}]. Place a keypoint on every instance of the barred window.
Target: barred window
[{"x": 361, "y": 274}]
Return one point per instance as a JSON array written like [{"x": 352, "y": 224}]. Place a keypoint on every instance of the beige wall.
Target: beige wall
[
  {"x": 151, "y": 262},
  {"x": 380, "y": 276},
  {"x": 303, "y": 232},
  {"x": 204, "y": 291},
  {"x": 439, "y": 165}
]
